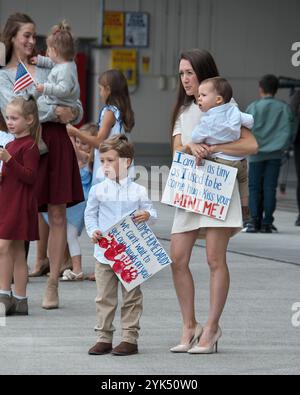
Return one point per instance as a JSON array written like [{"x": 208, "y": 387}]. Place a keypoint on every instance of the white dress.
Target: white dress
[{"x": 185, "y": 221}]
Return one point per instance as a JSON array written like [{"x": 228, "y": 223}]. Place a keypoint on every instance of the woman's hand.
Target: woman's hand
[
  {"x": 141, "y": 216},
  {"x": 4, "y": 155},
  {"x": 200, "y": 151},
  {"x": 66, "y": 114}
]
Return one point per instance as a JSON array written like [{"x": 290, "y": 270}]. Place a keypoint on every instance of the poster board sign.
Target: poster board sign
[
  {"x": 113, "y": 29},
  {"x": 136, "y": 29},
  {"x": 206, "y": 189},
  {"x": 133, "y": 251},
  {"x": 125, "y": 60}
]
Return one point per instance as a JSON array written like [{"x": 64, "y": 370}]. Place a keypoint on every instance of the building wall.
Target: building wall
[{"x": 247, "y": 39}]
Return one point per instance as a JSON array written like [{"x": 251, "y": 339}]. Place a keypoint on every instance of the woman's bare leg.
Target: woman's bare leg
[
  {"x": 217, "y": 240},
  {"x": 181, "y": 249},
  {"x": 57, "y": 244},
  {"x": 42, "y": 247},
  {"x": 57, "y": 238}
]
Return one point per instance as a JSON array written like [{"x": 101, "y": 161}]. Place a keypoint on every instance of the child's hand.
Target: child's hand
[
  {"x": 72, "y": 131},
  {"x": 141, "y": 216},
  {"x": 97, "y": 235},
  {"x": 4, "y": 155},
  {"x": 33, "y": 60}
]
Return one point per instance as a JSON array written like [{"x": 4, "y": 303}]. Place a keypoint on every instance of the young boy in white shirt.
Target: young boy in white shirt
[
  {"x": 110, "y": 201},
  {"x": 221, "y": 123}
]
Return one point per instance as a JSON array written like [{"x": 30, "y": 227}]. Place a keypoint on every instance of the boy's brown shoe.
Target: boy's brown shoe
[
  {"x": 100, "y": 348},
  {"x": 125, "y": 348}
]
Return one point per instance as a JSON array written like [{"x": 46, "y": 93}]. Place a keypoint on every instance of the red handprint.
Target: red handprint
[
  {"x": 103, "y": 243},
  {"x": 129, "y": 275},
  {"x": 113, "y": 248},
  {"x": 118, "y": 267}
]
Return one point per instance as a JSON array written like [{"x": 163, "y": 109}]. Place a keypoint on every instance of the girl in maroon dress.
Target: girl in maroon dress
[{"x": 19, "y": 206}]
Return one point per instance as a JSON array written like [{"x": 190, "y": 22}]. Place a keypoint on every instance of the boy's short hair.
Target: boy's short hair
[
  {"x": 124, "y": 148},
  {"x": 269, "y": 84},
  {"x": 222, "y": 87}
]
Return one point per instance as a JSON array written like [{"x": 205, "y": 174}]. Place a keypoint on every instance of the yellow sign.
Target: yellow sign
[
  {"x": 125, "y": 60},
  {"x": 113, "y": 29}
]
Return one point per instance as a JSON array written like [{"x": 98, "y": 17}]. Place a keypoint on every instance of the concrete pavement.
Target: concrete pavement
[{"x": 258, "y": 335}]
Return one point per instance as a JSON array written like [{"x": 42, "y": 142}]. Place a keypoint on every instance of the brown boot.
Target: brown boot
[
  {"x": 51, "y": 295},
  {"x": 41, "y": 269},
  {"x": 124, "y": 349},
  {"x": 100, "y": 348}
]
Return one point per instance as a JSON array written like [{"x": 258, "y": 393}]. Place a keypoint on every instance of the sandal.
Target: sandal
[{"x": 68, "y": 275}]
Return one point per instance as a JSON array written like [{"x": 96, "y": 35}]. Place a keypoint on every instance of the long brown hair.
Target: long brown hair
[
  {"x": 11, "y": 28},
  {"x": 119, "y": 96},
  {"x": 28, "y": 107},
  {"x": 204, "y": 66}
]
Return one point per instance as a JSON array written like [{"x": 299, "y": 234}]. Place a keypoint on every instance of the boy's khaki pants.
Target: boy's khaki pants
[{"x": 107, "y": 302}]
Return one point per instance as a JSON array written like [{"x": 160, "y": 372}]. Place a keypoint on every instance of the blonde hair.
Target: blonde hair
[
  {"x": 61, "y": 39},
  {"x": 29, "y": 108},
  {"x": 92, "y": 130},
  {"x": 124, "y": 148}
]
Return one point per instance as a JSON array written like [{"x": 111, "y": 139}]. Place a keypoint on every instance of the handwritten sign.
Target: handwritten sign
[
  {"x": 134, "y": 252},
  {"x": 205, "y": 189}
]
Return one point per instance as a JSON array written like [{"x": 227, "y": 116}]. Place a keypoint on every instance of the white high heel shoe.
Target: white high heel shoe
[
  {"x": 213, "y": 347},
  {"x": 186, "y": 347}
]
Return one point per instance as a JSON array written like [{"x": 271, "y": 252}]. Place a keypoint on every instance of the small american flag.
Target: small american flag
[{"x": 23, "y": 78}]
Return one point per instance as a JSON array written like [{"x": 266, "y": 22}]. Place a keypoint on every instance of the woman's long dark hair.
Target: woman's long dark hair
[
  {"x": 204, "y": 66},
  {"x": 119, "y": 96},
  {"x": 11, "y": 28}
]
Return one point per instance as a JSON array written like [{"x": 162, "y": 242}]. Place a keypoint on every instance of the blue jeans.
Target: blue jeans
[{"x": 263, "y": 181}]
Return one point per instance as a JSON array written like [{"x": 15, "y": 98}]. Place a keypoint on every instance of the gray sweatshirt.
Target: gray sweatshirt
[{"x": 62, "y": 87}]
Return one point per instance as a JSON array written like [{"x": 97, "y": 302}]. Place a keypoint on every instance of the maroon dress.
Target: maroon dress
[
  {"x": 18, "y": 203},
  {"x": 59, "y": 179}
]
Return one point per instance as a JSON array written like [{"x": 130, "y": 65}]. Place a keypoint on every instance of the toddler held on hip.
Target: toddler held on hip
[{"x": 221, "y": 123}]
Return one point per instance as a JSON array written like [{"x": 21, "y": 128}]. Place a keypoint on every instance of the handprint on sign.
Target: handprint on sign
[
  {"x": 129, "y": 275},
  {"x": 114, "y": 249},
  {"x": 118, "y": 267}
]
